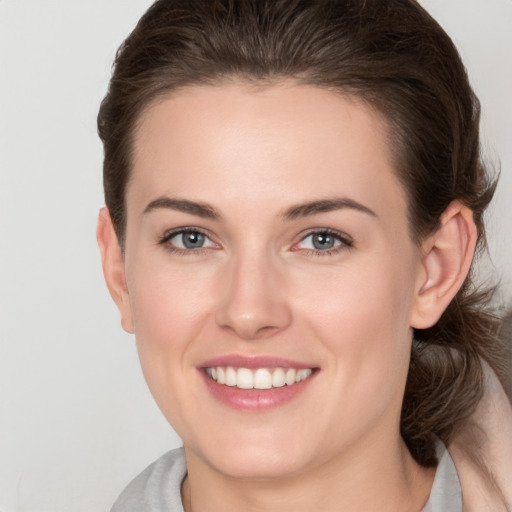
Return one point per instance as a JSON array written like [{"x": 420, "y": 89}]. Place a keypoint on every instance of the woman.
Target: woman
[{"x": 294, "y": 198}]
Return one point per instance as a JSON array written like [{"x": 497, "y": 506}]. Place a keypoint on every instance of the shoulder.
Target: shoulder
[
  {"x": 487, "y": 441},
  {"x": 157, "y": 488}
]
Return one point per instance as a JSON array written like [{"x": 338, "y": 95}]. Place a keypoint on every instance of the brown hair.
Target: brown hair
[{"x": 395, "y": 57}]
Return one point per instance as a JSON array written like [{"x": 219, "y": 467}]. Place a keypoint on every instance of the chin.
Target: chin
[
  {"x": 267, "y": 457},
  {"x": 256, "y": 464}
]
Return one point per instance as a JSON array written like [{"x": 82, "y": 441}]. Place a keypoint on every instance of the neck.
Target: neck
[{"x": 376, "y": 479}]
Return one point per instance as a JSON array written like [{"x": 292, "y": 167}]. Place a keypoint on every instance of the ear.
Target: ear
[
  {"x": 113, "y": 267},
  {"x": 446, "y": 260}
]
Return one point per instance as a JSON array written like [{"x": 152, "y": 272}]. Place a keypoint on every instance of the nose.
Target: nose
[{"x": 253, "y": 303}]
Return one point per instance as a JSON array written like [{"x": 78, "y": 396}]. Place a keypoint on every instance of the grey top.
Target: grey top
[
  {"x": 446, "y": 493},
  {"x": 158, "y": 487}
]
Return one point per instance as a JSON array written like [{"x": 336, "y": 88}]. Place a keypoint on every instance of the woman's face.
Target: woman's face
[{"x": 267, "y": 234}]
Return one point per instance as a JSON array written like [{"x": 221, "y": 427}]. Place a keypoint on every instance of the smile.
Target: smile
[{"x": 257, "y": 378}]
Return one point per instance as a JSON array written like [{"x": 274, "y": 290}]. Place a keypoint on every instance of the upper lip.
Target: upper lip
[{"x": 252, "y": 362}]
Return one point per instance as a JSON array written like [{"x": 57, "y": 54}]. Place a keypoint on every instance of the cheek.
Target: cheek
[
  {"x": 168, "y": 308},
  {"x": 165, "y": 300},
  {"x": 362, "y": 315},
  {"x": 373, "y": 294}
]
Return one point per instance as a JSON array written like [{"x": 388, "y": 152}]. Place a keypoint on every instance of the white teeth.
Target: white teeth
[
  {"x": 244, "y": 378},
  {"x": 261, "y": 378},
  {"x": 303, "y": 374},
  {"x": 278, "y": 378},
  {"x": 290, "y": 376},
  {"x": 230, "y": 376}
]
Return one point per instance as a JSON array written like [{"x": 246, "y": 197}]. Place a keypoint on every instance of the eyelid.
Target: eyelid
[
  {"x": 171, "y": 233},
  {"x": 346, "y": 241}
]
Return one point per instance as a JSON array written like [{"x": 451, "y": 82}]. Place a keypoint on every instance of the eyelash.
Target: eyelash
[
  {"x": 346, "y": 242},
  {"x": 169, "y": 235}
]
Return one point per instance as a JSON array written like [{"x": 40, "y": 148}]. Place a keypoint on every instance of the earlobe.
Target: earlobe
[
  {"x": 113, "y": 267},
  {"x": 446, "y": 260}
]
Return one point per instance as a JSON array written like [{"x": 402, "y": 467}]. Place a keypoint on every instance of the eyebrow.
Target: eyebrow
[
  {"x": 183, "y": 205},
  {"x": 324, "y": 206},
  {"x": 207, "y": 211}
]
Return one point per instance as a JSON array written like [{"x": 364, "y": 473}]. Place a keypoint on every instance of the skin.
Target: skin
[{"x": 258, "y": 287}]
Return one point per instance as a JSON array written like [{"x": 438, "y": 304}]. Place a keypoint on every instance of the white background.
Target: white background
[{"x": 76, "y": 420}]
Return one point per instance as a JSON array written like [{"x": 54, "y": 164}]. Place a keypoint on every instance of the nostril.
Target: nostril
[{"x": 250, "y": 331}]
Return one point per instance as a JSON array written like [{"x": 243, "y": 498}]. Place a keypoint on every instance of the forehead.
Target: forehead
[{"x": 284, "y": 142}]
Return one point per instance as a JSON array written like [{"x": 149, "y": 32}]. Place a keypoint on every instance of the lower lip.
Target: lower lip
[{"x": 255, "y": 399}]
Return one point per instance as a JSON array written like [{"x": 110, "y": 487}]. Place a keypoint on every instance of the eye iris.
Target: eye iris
[
  {"x": 193, "y": 240},
  {"x": 323, "y": 241}
]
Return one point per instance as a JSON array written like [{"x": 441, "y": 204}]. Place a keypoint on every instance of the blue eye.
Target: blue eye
[
  {"x": 187, "y": 239},
  {"x": 324, "y": 241}
]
